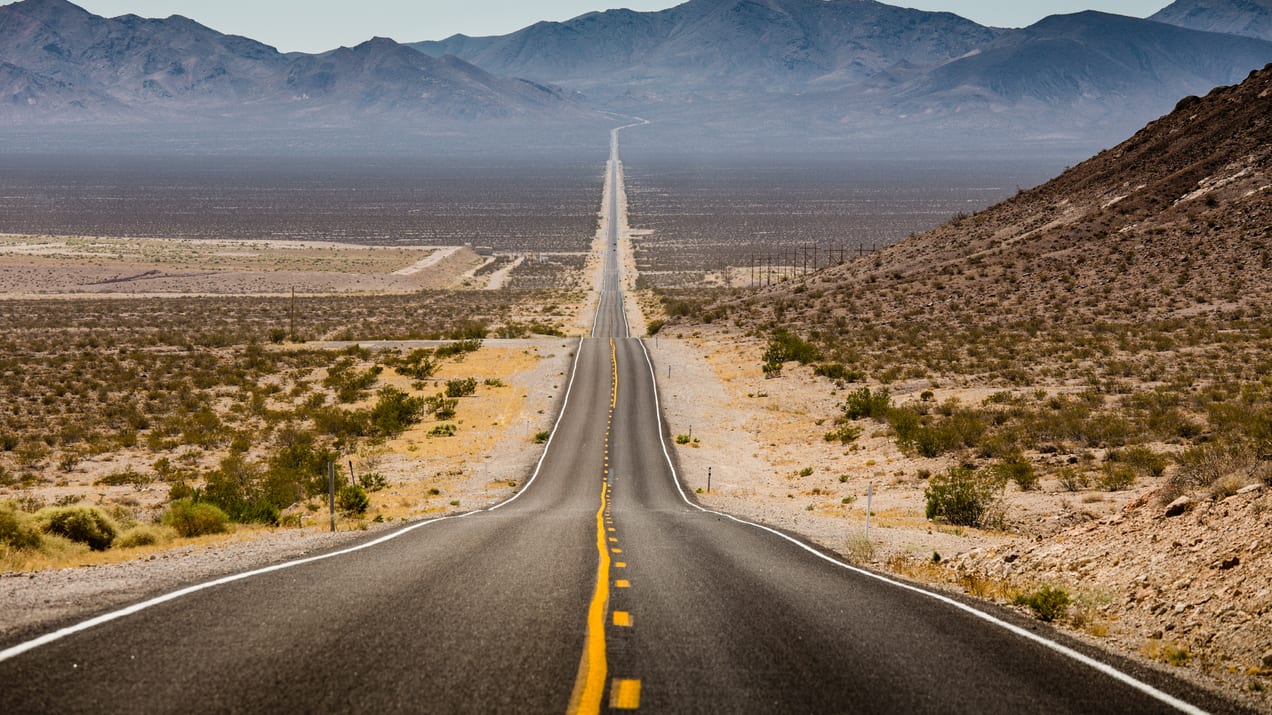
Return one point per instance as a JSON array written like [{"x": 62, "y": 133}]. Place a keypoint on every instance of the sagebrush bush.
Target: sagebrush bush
[
  {"x": 1140, "y": 458},
  {"x": 1117, "y": 477},
  {"x": 85, "y": 524},
  {"x": 353, "y": 500},
  {"x": 1203, "y": 465},
  {"x": 785, "y": 346},
  {"x": 395, "y": 411},
  {"x": 144, "y": 535},
  {"x": 461, "y": 388},
  {"x": 1017, "y": 469},
  {"x": 863, "y": 403},
  {"x": 1047, "y": 603},
  {"x": 962, "y": 496},
  {"x": 16, "y": 528},
  {"x": 190, "y": 518}
]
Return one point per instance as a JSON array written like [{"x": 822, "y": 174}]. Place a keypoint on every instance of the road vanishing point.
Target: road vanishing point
[{"x": 601, "y": 586}]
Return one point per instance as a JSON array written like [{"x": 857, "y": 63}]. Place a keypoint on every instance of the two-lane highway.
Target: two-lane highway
[{"x": 600, "y": 586}]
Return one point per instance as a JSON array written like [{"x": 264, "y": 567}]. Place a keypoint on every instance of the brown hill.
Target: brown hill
[
  {"x": 1103, "y": 333},
  {"x": 1174, "y": 222}
]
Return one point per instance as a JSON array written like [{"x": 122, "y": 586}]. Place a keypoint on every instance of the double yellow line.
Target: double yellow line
[{"x": 589, "y": 685}]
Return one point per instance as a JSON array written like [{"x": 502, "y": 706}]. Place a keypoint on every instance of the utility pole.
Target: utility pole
[
  {"x": 331, "y": 493},
  {"x": 292, "y": 314}
]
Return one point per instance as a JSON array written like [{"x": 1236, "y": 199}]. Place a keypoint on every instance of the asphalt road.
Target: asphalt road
[{"x": 599, "y": 587}]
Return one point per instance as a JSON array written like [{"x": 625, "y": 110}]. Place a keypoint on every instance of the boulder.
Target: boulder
[{"x": 1179, "y": 506}]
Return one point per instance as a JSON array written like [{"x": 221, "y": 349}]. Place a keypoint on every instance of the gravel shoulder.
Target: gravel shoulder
[{"x": 1190, "y": 593}]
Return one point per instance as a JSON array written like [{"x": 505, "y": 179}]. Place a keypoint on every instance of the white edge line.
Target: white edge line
[
  {"x": 61, "y": 633},
  {"x": 1064, "y": 650},
  {"x": 574, "y": 371},
  {"x": 19, "y": 649}
]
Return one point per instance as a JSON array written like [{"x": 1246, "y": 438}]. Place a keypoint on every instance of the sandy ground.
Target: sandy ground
[
  {"x": 45, "y": 266},
  {"x": 758, "y": 436}
]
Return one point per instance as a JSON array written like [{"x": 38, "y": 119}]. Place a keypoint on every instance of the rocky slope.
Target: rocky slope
[
  {"x": 1185, "y": 585},
  {"x": 1175, "y": 222},
  {"x": 1137, "y": 282}
]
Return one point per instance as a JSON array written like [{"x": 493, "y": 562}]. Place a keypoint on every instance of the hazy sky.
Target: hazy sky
[{"x": 319, "y": 25}]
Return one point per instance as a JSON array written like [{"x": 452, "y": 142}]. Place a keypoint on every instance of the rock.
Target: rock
[
  {"x": 1267, "y": 659},
  {"x": 1229, "y": 563},
  {"x": 1179, "y": 506},
  {"x": 1250, "y": 489}
]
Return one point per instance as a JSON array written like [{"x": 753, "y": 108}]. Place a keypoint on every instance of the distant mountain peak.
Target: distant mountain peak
[
  {"x": 62, "y": 63},
  {"x": 1251, "y": 18}
]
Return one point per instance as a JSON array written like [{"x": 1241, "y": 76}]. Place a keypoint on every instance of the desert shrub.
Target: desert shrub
[
  {"x": 144, "y": 535},
  {"x": 1017, "y": 469},
  {"x": 1204, "y": 464},
  {"x": 785, "y": 346},
  {"x": 346, "y": 426},
  {"x": 246, "y": 492},
  {"x": 1073, "y": 479},
  {"x": 440, "y": 406},
  {"x": 1140, "y": 458},
  {"x": 352, "y": 500},
  {"x": 348, "y": 383},
  {"x": 469, "y": 330},
  {"x": 298, "y": 467},
  {"x": 677, "y": 308},
  {"x": 85, "y": 524},
  {"x": 418, "y": 364},
  {"x": 962, "y": 496},
  {"x": 443, "y": 430},
  {"x": 542, "y": 436},
  {"x": 16, "y": 528},
  {"x": 395, "y": 411},
  {"x": 461, "y": 388},
  {"x": 837, "y": 371},
  {"x": 190, "y": 518},
  {"x": 863, "y": 403},
  {"x": 1116, "y": 477},
  {"x": 653, "y": 326},
  {"x": 373, "y": 481},
  {"x": 128, "y": 477},
  {"x": 459, "y": 347},
  {"x": 1047, "y": 603},
  {"x": 843, "y": 434}
]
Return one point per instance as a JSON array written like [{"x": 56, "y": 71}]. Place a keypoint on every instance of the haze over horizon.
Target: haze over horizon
[{"x": 329, "y": 24}]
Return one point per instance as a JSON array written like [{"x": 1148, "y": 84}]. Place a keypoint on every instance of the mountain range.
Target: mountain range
[
  {"x": 61, "y": 63},
  {"x": 1250, "y": 18},
  {"x": 765, "y": 71}
]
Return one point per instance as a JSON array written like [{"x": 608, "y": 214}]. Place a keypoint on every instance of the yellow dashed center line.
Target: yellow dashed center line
[
  {"x": 622, "y": 619},
  {"x": 625, "y": 694}
]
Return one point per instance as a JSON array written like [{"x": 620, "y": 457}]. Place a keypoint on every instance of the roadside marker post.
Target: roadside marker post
[
  {"x": 331, "y": 493},
  {"x": 708, "y": 480},
  {"x": 869, "y": 499}
]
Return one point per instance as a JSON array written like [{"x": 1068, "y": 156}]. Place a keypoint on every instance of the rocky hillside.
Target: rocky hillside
[
  {"x": 1104, "y": 332},
  {"x": 1176, "y": 222}
]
